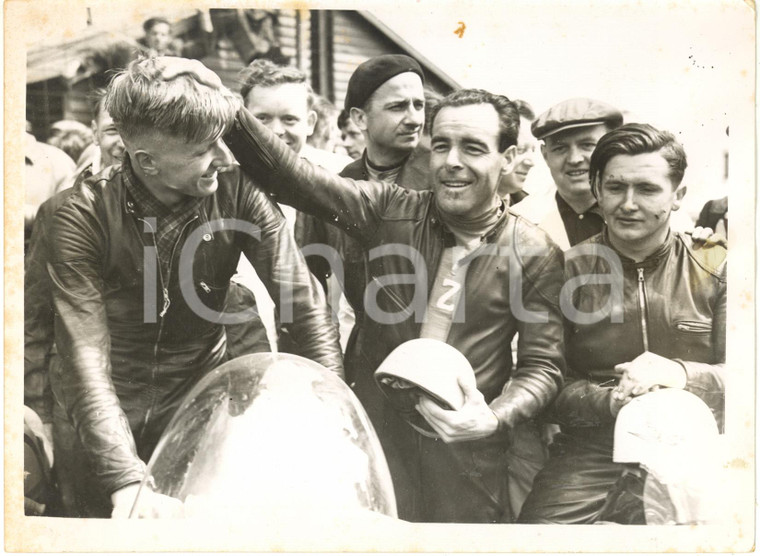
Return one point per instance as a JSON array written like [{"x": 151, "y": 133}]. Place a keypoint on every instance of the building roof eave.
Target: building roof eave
[{"x": 409, "y": 49}]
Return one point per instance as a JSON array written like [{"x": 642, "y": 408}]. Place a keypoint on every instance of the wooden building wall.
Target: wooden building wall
[
  {"x": 327, "y": 46},
  {"x": 293, "y": 34},
  {"x": 355, "y": 40}
]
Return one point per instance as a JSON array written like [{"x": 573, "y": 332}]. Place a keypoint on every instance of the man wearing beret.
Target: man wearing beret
[
  {"x": 386, "y": 101},
  {"x": 569, "y": 130}
]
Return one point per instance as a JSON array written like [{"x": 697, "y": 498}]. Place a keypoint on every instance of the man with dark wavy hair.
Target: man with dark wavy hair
[
  {"x": 665, "y": 329},
  {"x": 451, "y": 264},
  {"x": 141, "y": 261}
]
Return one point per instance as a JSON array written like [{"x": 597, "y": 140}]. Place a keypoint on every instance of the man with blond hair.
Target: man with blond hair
[{"x": 141, "y": 261}]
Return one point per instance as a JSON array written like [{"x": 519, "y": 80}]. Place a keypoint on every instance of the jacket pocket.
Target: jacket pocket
[{"x": 693, "y": 327}]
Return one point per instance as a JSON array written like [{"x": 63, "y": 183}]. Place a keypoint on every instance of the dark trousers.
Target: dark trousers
[
  {"x": 527, "y": 455},
  {"x": 581, "y": 484},
  {"x": 462, "y": 482}
]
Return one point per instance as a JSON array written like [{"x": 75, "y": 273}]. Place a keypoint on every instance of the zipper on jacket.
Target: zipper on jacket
[
  {"x": 643, "y": 309},
  {"x": 167, "y": 302},
  {"x": 165, "y": 308},
  {"x": 164, "y": 287}
]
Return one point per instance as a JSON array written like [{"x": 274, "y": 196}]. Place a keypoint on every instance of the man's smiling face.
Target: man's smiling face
[
  {"x": 465, "y": 161},
  {"x": 567, "y": 154}
]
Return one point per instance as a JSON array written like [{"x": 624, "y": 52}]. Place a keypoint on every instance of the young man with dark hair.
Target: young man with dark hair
[
  {"x": 658, "y": 322},
  {"x": 449, "y": 247},
  {"x": 353, "y": 139}
]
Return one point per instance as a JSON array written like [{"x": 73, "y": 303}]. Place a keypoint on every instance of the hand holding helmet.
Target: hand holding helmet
[
  {"x": 432, "y": 385},
  {"x": 472, "y": 421}
]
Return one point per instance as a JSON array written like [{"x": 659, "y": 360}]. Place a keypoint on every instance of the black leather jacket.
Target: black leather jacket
[
  {"x": 310, "y": 230},
  {"x": 674, "y": 304},
  {"x": 126, "y": 366},
  {"x": 39, "y": 318},
  {"x": 391, "y": 217}
]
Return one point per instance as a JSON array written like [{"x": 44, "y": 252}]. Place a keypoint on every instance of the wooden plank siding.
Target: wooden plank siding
[
  {"x": 356, "y": 40},
  {"x": 292, "y": 34},
  {"x": 226, "y": 62}
]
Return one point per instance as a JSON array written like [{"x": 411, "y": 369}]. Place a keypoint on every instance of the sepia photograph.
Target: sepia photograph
[{"x": 403, "y": 276}]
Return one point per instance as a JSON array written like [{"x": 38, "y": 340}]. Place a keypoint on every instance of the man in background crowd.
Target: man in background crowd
[
  {"x": 714, "y": 215},
  {"x": 326, "y": 135},
  {"x": 385, "y": 101},
  {"x": 159, "y": 39},
  {"x": 46, "y": 171},
  {"x": 353, "y": 139},
  {"x": 511, "y": 185},
  {"x": 569, "y": 130},
  {"x": 71, "y": 137},
  {"x": 282, "y": 99}
]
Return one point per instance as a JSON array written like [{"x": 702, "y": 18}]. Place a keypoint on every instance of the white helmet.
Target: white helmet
[
  {"x": 673, "y": 435},
  {"x": 423, "y": 367}
]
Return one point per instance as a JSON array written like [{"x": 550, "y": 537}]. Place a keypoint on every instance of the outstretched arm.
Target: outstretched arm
[{"x": 354, "y": 206}]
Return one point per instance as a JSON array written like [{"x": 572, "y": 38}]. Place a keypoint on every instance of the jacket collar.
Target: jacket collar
[
  {"x": 448, "y": 236},
  {"x": 652, "y": 261},
  {"x": 416, "y": 165}
]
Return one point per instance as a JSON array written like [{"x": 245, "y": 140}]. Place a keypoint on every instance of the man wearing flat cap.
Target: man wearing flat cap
[
  {"x": 569, "y": 131},
  {"x": 386, "y": 101}
]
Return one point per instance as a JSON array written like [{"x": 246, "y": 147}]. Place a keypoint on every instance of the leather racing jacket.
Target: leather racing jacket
[
  {"x": 403, "y": 234},
  {"x": 127, "y": 363},
  {"x": 39, "y": 318},
  {"x": 310, "y": 230},
  {"x": 673, "y": 305}
]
